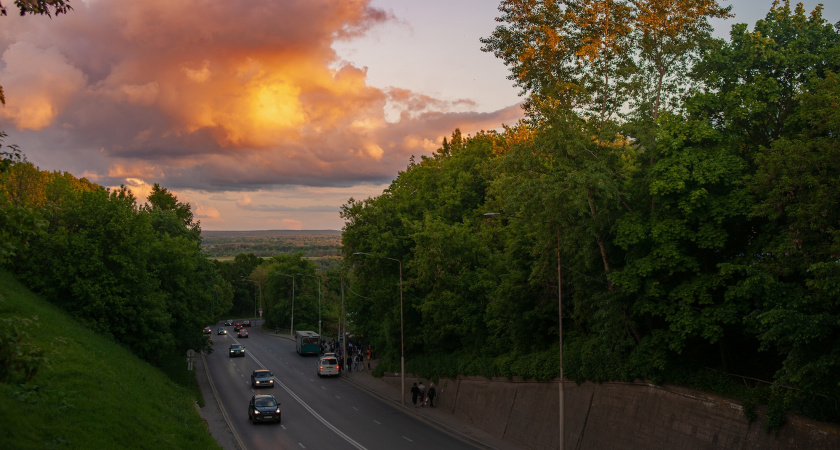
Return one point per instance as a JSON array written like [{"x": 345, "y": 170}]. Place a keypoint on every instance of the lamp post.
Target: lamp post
[
  {"x": 319, "y": 302},
  {"x": 402, "y": 340},
  {"x": 257, "y": 285},
  {"x": 561, "y": 405},
  {"x": 292, "y": 329}
]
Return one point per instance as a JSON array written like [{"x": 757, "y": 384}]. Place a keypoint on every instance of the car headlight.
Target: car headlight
[
  {"x": 277, "y": 410},
  {"x": 256, "y": 412}
]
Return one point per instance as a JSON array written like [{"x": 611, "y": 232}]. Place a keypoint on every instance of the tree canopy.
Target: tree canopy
[{"x": 687, "y": 187}]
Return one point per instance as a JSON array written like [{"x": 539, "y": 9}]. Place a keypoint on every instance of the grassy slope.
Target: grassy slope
[{"x": 92, "y": 393}]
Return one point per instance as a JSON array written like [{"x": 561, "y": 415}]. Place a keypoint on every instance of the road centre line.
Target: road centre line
[{"x": 312, "y": 411}]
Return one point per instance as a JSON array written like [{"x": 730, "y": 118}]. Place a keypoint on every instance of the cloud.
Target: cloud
[
  {"x": 39, "y": 83},
  {"x": 217, "y": 97},
  {"x": 204, "y": 212}
]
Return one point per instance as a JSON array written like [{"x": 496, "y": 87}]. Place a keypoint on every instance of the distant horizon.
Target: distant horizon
[{"x": 271, "y": 231}]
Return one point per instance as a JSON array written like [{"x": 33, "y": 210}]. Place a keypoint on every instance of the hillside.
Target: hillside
[
  {"x": 267, "y": 243},
  {"x": 90, "y": 392}
]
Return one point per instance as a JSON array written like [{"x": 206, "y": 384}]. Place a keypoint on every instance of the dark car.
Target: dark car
[
  {"x": 243, "y": 333},
  {"x": 246, "y": 323},
  {"x": 262, "y": 378},
  {"x": 228, "y": 323},
  {"x": 264, "y": 408},
  {"x": 221, "y": 331},
  {"x": 208, "y": 330},
  {"x": 236, "y": 350},
  {"x": 237, "y": 326}
]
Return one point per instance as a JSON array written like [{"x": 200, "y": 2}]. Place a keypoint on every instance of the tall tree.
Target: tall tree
[
  {"x": 162, "y": 202},
  {"x": 668, "y": 34}
]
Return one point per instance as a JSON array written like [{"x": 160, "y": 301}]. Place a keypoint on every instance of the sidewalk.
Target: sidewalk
[{"x": 440, "y": 419}]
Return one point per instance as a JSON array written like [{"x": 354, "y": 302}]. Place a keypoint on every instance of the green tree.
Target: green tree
[
  {"x": 40, "y": 7},
  {"x": 97, "y": 270},
  {"x": 163, "y": 203},
  {"x": 796, "y": 190},
  {"x": 278, "y": 279}
]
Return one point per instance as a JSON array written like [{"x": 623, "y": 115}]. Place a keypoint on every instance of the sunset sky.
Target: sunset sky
[{"x": 262, "y": 114}]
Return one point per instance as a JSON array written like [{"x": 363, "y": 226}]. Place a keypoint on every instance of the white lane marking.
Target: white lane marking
[
  {"x": 338, "y": 397},
  {"x": 283, "y": 426},
  {"x": 377, "y": 422},
  {"x": 312, "y": 411},
  {"x": 355, "y": 408},
  {"x": 407, "y": 439},
  {"x": 322, "y": 387},
  {"x": 301, "y": 445}
]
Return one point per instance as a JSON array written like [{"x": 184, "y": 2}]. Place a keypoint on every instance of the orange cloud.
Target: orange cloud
[
  {"x": 39, "y": 83},
  {"x": 218, "y": 97}
]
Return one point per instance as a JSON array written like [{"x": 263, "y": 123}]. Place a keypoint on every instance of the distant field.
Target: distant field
[{"x": 266, "y": 243}]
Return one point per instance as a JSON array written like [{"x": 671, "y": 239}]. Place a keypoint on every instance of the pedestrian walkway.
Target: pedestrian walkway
[{"x": 440, "y": 419}]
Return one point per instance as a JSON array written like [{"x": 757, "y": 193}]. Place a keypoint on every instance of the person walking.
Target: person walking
[
  {"x": 422, "y": 388},
  {"x": 431, "y": 395},
  {"x": 415, "y": 392}
]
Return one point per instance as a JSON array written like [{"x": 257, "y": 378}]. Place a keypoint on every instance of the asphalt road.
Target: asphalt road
[{"x": 317, "y": 413}]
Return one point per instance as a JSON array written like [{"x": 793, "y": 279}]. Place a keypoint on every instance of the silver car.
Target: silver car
[{"x": 328, "y": 366}]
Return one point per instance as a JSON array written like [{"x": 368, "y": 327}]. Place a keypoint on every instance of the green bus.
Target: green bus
[{"x": 307, "y": 342}]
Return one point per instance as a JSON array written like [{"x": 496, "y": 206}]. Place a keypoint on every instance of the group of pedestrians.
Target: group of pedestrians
[
  {"x": 426, "y": 396},
  {"x": 355, "y": 358}
]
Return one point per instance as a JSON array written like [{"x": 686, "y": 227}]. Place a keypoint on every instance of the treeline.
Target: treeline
[
  {"x": 296, "y": 292},
  {"x": 271, "y": 242},
  {"x": 267, "y": 249},
  {"x": 688, "y": 188},
  {"x": 132, "y": 272}
]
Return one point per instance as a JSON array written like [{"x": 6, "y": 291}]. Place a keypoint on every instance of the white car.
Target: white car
[{"x": 327, "y": 366}]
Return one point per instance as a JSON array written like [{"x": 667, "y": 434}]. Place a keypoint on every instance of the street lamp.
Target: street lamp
[
  {"x": 402, "y": 340},
  {"x": 292, "y": 329},
  {"x": 319, "y": 302},
  {"x": 255, "y": 300},
  {"x": 561, "y": 405}
]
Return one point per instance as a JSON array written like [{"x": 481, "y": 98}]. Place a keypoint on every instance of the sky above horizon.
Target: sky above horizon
[{"x": 264, "y": 117}]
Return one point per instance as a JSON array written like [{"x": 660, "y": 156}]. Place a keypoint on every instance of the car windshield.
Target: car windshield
[
  {"x": 235, "y": 347},
  {"x": 329, "y": 361},
  {"x": 263, "y": 374},
  {"x": 265, "y": 402}
]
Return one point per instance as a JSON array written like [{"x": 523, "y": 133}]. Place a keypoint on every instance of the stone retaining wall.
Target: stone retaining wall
[{"x": 617, "y": 416}]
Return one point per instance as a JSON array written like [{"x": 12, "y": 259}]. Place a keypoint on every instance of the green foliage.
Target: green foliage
[
  {"x": 40, "y": 7},
  {"x": 82, "y": 396},
  {"x": 20, "y": 361},
  {"x": 134, "y": 273},
  {"x": 692, "y": 238}
]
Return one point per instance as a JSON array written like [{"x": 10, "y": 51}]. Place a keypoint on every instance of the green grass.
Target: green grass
[{"x": 90, "y": 392}]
